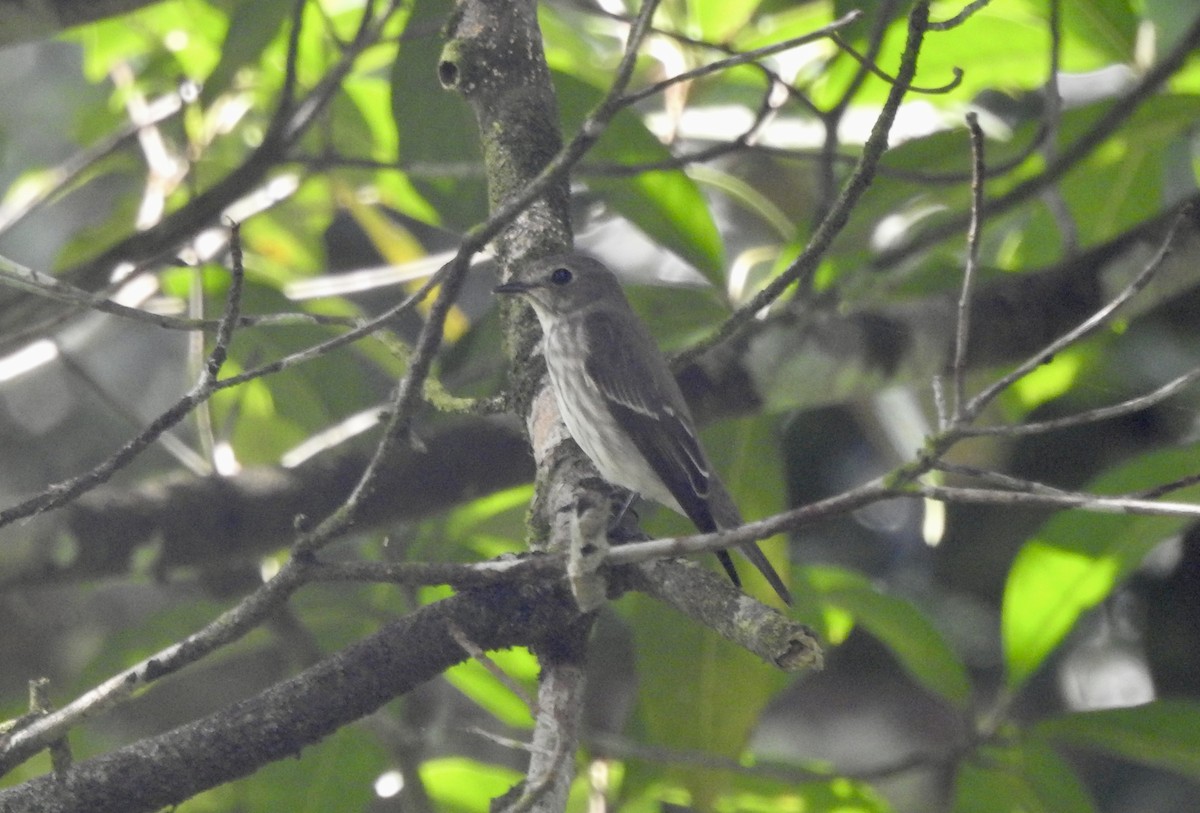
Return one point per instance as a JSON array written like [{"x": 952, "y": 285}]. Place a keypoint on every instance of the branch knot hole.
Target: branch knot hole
[{"x": 448, "y": 74}]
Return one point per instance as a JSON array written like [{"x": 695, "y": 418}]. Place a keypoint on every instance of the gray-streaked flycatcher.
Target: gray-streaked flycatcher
[{"x": 620, "y": 401}]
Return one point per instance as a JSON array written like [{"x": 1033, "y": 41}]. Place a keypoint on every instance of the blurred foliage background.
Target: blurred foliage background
[{"x": 981, "y": 658}]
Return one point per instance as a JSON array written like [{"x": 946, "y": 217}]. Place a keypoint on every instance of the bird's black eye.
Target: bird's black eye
[{"x": 560, "y": 276}]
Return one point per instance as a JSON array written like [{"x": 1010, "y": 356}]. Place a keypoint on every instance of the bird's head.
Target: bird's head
[{"x": 564, "y": 284}]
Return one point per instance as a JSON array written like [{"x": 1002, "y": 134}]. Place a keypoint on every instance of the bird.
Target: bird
[{"x": 620, "y": 401}]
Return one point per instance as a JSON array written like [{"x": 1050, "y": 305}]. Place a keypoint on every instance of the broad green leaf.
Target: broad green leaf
[
  {"x": 832, "y": 623},
  {"x": 717, "y": 20},
  {"x": 1001, "y": 47},
  {"x": 480, "y": 513},
  {"x": 490, "y": 693},
  {"x": 1164, "y": 734},
  {"x": 678, "y": 316},
  {"x": 349, "y": 132},
  {"x": 191, "y": 28},
  {"x": 747, "y": 196},
  {"x": 575, "y": 43},
  {"x": 1112, "y": 189},
  {"x": 1053, "y": 780},
  {"x": 1029, "y": 778},
  {"x": 1122, "y": 182},
  {"x": 666, "y": 205},
  {"x": 747, "y": 453},
  {"x": 461, "y": 785},
  {"x": 436, "y": 127},
  {"x": 786, "y": 21},
  {"x": 696, "y": 692},
  {"x": 901, "y": 627},
  {"x": 397, "y": 245},
  {"x": 372, "y": 96},
  {"x": 1050, "y": 380},
  {"x": 269, "y": 416},
  {"x": 1107, "y": 28},
  {"x": 253, "y": 25},
  {"x": 1076, "y": 560}
]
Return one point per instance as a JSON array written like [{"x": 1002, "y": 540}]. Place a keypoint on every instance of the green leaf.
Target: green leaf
[
  {"x": 696, "y": 692},
  {"x": 1163, "y": 734},
  {"x": 901, "y": 627},
  {"x": 1107, "y": 28},
  {"x": 435, "y": 127},
  {"x": 573, "y": 48},
  {"x": 493, "y": 695},
  {"x": 1050, "y": 380},
  {"x": 677, "y": 315},
  {"x": 192, "y": 29},
  {"x": 746, "y": 195},
  {"x": 1029, "y": 778},
  {"x": 1076, "y": 560},
  {"x": 832, "y": 623},
  {"x": 1122, "y": 182},
  {"x": 1003, "y": 47},
  {"x": 461, "y": 785},
  {"x": 747, "y": 453},
  {"x": 717, "y": 20},
  {"x": 667, "y": 205},
  {"x": 371, "y": 96},
  {"x": 253, "y": 25}
]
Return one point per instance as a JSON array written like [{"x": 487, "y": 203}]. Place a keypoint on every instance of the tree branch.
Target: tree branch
[{"x": 276, "y": 724}]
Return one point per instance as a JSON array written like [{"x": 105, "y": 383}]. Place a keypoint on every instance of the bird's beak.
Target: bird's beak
[{"x": 513, "y": 287}]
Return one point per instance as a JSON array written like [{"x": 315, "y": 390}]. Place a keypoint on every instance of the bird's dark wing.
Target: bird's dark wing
[{"x": 646, "y": 402}]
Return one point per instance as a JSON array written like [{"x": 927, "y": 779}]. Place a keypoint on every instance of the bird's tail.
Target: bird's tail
[
  {"x": 752, "y": 552},
  {"x": 725, "y": 514}
]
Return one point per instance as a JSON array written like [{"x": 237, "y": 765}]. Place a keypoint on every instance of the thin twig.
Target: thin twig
[
  {"x": 766, "y": 108},
  {"x": 1096, "y": 503},
  {"x": 231, "y": 625},
  {"x": 1100, "y": 317},
  {"x": 461, "y": 576},
  {"x": 831, "y": 119},
  {"x": 963, "y": 326},
  {"x": 919, "y": 176},
  {"x": 879, "y": 73},
  {"x": 70, "y": 170},
  {"x": 15, "y": 275},
  {"x": 1126, "y": 407},
  {"x": 1166, "y": 488},
  {"x": 173, "y": 445},
  {"x": 1053, "y": 197},
  {"x": 998, "y": 479},
  {"x": 836, "y": 505},
  {"x": 1116, "y": 115},
  {"x": 66, "y": 490},
  {"x": 741, "y": 58},
  {"x": 397, "y": 431},
  {"x": 960, "y": 18},
  {"x": 839, "y": 213}
]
